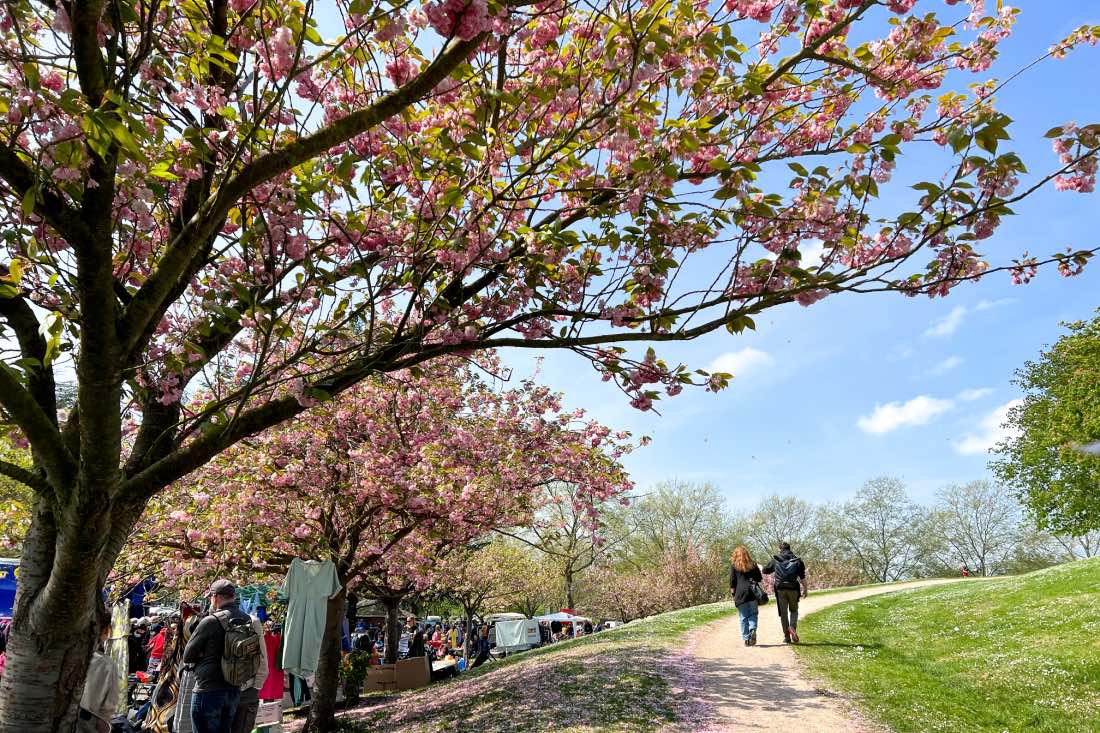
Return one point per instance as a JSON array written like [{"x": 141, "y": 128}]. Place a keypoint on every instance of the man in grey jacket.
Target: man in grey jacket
[{"x": 215, "y": 700}]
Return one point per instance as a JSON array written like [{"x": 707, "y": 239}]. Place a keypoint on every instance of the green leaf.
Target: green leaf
[
  {"x": 160, "y": 170},
  {"x": 856, "y": 148},
  {"x": 30, "y": 71},
  {"x": 1054, "y": 132},
  {"x": 29, "y": 201}
]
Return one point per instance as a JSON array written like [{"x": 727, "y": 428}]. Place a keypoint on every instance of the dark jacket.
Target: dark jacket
[
  {"x": 741, "y": 584},
  {"x": 205, "y": 650},
  {"x": 800, "y": 569}
]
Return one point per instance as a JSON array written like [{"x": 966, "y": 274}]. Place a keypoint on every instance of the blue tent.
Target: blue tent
[{"x": 7, "y": 586}]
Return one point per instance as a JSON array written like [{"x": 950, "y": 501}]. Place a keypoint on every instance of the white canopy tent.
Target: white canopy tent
[{"x": 565, "y": 618}]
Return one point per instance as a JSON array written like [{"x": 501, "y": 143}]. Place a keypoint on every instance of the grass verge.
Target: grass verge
[
  {"x": 634, "y": 679},
  {"x": 1011, "y": 654}
]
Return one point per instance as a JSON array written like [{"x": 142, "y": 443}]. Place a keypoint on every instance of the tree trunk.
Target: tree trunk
[
  {"x": 326, "y": 682},
  {"x": 53, "y": 628},
  {"x": 466, "y": 638},
  {"x": 393, "y": 629},
  {"x": 569, "y": 589}
]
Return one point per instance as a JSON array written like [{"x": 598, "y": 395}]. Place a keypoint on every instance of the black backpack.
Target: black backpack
[{"x": 786, "y": 571}]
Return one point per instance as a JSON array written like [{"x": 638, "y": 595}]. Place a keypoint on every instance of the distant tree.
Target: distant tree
[
  {"x": 676, "y": 517},
  {"x": 1059, "y": 483},
  {"x": 980, "y": 524},
  {"x": 622, "y": 594},
  {"x": 879, "y": 529},
  {"x": 15, "y": 499},
  {"x": 1080, "y": 546},
  {"x": 785, "y": 519},
  {"x": 536, "y": 586},
  {"x": 570, "y": 531},
  {"x": 480, "y": 578}
]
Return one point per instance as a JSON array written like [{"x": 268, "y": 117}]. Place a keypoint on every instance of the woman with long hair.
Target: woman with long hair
[{"x": 744, "y": 572}]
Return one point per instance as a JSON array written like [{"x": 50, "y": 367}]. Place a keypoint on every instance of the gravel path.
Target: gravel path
[{"x": 762, "y": 688}]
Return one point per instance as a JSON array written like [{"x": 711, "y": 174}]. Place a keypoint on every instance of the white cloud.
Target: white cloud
[
  {"x": 947, "y": 325},
  {"x": 901, "y": 353},
  {"x": 893, "y": 415},
  {"x": 991, "y": 431},
  {"x": 945, "y": 366},
  {"x": 739, "y": 363},
  {"x": 984, "y": 305},
  {"x": 969, "y": 395}
]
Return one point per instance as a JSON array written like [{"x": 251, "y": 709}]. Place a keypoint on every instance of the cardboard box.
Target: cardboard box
[
  {"x": 413, "y": 673},
  {"x": 269, "y": 713},
  {"x": 381, "y": 677}
]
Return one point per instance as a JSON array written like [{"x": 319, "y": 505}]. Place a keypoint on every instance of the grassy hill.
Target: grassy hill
[
  {"x": 634, "y": 679},
  {"x": 1011, "y": 654}
]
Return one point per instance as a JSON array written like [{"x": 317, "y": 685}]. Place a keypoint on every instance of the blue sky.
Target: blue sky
[{"x": 858, "y": 386}]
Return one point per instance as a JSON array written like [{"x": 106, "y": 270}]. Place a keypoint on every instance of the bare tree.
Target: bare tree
[
  {"x": 879, "y": 529},
  {"x": 677, "y": 518},
  {"x": 1079, "y": 547},
  {"x": 980, "y": 524},
  {"x": 785, "y": 519}
]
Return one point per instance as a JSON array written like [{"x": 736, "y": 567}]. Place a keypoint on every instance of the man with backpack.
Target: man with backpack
[
  {"x": 789, "y": 580},
  {"x": 225, "y": 653}
]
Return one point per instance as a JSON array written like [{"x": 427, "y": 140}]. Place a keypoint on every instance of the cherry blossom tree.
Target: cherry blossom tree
[
  {"x": 382, "y": 481},
  {"x": 225, "y": 211}
]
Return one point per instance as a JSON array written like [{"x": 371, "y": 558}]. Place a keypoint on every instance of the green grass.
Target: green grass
[{"x": 1012, "y": 654}]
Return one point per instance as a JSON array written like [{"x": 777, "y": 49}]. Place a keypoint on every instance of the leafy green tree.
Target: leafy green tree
[
  {"x": 15, "y": 499},
  {"x": 1060, "y": 412}
]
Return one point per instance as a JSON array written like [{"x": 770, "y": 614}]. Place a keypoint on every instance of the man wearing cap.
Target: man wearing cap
[{"x": 215, "y": 700}]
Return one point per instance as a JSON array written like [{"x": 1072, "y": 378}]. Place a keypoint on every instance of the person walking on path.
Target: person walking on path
[
  {"x": 790, "y": 579},
  {"x": 744, "y": 572},
  {"x": 215, "y": 700}
]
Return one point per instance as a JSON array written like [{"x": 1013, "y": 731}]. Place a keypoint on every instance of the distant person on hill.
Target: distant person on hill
[
  {"x": 790, "y": 576},
  {"x": 744, "y": 572},
  {"x": 964, "y": 570}
]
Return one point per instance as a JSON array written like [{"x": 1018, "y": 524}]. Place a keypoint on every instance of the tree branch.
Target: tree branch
[
  {"x": 40, "y": 379},
  {"x": 153, "y": 298},
  {"x": 49, "y": 204},
  {"x": 28, "y": 478},
  {"x": 40, "y": 430}
]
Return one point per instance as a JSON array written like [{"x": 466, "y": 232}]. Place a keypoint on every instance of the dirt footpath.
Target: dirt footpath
[{"x": 761, "y": 688}]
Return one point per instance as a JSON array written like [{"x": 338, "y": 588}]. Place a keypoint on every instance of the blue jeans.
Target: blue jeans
[
  {"x": 212, "y": 712},
  {"x": 749, "y": 613}
]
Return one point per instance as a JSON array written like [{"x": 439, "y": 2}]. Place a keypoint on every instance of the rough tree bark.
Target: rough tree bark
[
  {"x": 393, "y": 628},
  {"x": 326, "y": 683}
]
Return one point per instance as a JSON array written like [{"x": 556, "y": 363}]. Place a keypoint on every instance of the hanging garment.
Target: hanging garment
[
  {"x": 299, "y": 691},
  {"x": 253, "y": 598},
  {"x": 182, "y": 721},
  {"x": 273, "y": 685},
  {"x": 308, "y": 587},
  {"x": 118, "y": 649},
  {"x": 163, "y": 701}
]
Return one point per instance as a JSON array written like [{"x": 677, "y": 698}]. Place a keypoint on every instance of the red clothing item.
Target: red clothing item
[
  {"x": 156, "y": 646},
  {"x": 273, "y": 685}
]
